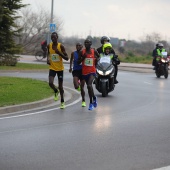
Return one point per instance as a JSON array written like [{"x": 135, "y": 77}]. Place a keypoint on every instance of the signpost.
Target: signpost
[{"x": 52, "y": 27}]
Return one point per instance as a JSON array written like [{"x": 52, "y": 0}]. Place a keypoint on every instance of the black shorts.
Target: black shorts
[
  {"x": 52, "y": 73},
  {"x": 77, "y": 73}
]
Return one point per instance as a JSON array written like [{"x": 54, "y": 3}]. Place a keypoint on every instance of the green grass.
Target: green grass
[
  {"x": 26, "y": 66},
  {"x": 22, "y": 90},
  {"x": 136, "y": 59}
]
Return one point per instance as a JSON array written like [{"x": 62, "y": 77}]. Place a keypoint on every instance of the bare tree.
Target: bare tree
[{"x": 35, "y": 28}]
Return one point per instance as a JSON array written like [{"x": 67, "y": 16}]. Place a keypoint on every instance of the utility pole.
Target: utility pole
[
  {"x": 51, "y": 20},
  {"x": 52, "y": 4}
]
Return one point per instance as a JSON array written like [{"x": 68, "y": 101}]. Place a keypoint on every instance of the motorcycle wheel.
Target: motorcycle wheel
[
  {"x": 104, "y": 91},
  {"x": 39, "y": 55},
  {"x": 166, "y": 72},
  {"x": 157, "y": 74}
]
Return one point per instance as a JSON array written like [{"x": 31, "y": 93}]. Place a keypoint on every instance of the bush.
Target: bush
[{"x": 8, "y": 60}]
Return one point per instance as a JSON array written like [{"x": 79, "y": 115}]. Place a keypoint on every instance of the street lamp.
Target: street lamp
[
  {"x": 52, "y": 4},
  {"x": 51, "y": 20}
]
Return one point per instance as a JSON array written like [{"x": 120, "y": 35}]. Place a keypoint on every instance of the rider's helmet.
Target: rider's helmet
[
  {"x": 104, "y": 39},
  {"x": 160, "y": 45},
  {"x": 107, "y": 45}
]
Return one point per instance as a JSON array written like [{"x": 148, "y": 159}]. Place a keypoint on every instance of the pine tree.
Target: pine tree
[{"x": 8, "y": 28}]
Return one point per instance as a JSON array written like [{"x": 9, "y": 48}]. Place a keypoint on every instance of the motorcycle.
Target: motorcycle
[
  {"x": 104, "y": 80},
  {"x": 162, "y": 65}
]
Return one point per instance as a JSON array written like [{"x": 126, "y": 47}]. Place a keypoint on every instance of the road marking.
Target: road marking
[
  {"x": 34, "y": 113},
  {"x": 147, "y": 83},
  {"x": 163, "y": 168}
]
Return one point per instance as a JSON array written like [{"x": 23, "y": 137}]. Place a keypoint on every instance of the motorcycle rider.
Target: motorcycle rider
[
  {"x": 158, "y": 52},
  {"x": 154, "y": 54},
  {"x": 107, "y": 48},
  {"x": 44, "y": 48},
  {"x": 103, "y": 40}
]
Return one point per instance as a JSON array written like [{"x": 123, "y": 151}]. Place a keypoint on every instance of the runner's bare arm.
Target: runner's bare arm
[
  {"x": 63, "y": 54},
  {"x": 71, "y": 62},
  {"x": 81, "y": 57},
  {"x": 48, "y": 55},
  {"x": 97, "y": 56}
]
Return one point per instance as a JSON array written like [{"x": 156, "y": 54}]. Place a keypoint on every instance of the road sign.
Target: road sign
[{"x": 52, "y": 27}]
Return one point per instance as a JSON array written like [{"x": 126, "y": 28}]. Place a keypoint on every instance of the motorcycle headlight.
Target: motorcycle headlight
[
  {"x": 163, "y": 60},
  {"x": 100, "y": 72},
  {"x": 109, "y": 71}
]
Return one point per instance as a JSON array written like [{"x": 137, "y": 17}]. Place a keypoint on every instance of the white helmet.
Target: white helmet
[{"x": 160, "y": 45}]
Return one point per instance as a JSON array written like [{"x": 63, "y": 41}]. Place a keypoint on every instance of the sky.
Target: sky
[{"x": 129, "y": 19}]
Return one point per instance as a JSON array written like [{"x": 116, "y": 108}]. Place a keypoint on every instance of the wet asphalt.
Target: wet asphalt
[{"x": 129, "y": 130}]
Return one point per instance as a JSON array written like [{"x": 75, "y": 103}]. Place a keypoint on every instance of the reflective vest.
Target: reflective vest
[{"x": 159, "y": 51}]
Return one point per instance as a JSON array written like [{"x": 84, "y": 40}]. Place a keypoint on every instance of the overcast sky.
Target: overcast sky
[{"x": 129, "y": 19}]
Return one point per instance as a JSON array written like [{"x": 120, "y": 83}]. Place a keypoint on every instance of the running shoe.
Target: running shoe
[
  {"x": 95, "y": 102},
  {"x": 83, "y": 104},
  {"x": 62, "y": 106},
  {"x": 56, "y": 95},
  {"x": 79, "y": 88},
  {"x": 91, "y": 107}
]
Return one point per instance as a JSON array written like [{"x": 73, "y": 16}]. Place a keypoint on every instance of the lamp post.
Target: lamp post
[
  {"x": 52, "y": 4},
  {"x": 51, "y": 20}
]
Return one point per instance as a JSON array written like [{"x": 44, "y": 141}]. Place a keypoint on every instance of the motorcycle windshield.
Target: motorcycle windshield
[{"x": 104, "y": 63}]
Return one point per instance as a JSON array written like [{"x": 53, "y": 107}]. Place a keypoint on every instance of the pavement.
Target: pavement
[{"x": 48, "y": 103}]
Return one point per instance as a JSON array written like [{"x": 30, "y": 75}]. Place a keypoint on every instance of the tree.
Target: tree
[
  {"x": 8, "y": 28},
  {"x": 1, "y": 10},
  {"x": 35, "y": 28}
]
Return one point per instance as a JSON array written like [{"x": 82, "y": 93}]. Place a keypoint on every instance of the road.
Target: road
[{"x": 129, "y": 130}]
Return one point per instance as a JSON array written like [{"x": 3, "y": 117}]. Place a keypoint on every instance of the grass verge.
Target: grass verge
[
  {"x": 22, "y": 90},
  {"x": 26, "y": 66},
  {"x": 136, "y": 59}
]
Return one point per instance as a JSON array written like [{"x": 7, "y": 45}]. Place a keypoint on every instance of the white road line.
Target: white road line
[
  {"x": 163, "y": 168},
  {"x": 34, "y": 113},
  {"x": 147, "y": 83}
]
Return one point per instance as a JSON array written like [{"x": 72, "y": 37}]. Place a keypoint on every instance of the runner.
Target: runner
[
  {"x": 77, "y": 72},
  {"x": 88, "y": 57},
  {"x": 56, "y": 54}
]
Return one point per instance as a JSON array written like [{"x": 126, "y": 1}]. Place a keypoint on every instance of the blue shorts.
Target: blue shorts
[{"x": 86, "y": 77}]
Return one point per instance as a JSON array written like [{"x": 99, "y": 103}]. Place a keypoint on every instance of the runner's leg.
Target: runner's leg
[{"x": 90, "y": 87}]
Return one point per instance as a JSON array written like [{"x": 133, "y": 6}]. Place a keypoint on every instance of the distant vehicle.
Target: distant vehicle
[{"x": 162, "y": 65}]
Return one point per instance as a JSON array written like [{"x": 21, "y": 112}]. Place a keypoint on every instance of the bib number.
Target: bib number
[
  {"x": 55, "y": 57},
  {"x": 88, "y": 62}
]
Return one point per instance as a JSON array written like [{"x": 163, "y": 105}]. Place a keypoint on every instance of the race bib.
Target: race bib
[
  {"x": 88, "y": 62},
  {"x": 55, "y": 57}
]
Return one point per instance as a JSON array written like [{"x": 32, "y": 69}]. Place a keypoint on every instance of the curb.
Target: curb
[{"x": 38, "y": 105}]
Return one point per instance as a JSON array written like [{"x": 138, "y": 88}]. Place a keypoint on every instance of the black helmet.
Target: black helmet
[{"x": 104, "y": 38}]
